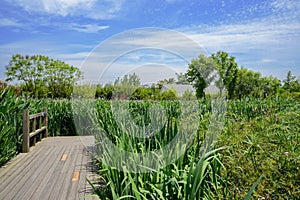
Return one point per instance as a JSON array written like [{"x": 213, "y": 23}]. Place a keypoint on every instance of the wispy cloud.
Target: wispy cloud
[
  {"x": 96, "y": 9},
  {"x": 10, "y": 23},
  {"x": 256, "y": 45},
  {"x": 87, "y": 28}
]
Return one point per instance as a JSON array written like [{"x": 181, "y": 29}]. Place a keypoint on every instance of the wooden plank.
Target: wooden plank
[
  {"x": 66, "y": 183},
  {"x": 19, "y": 182},
  {"x": 43, "y": 179},
  {"x": 46, "y": 178},
  {"x": 37, "y": 131},
  {"x": 41, "y": 174},
  {"x": 73, "y": 192},
  {"x": 46, "y": 122},
  {"x": 32, "y": 116},
  {"x": 15, "y": 171},
  {"x": 37, "y": 170},
  {"x": 80, "y": 190},
  {"x": 60, "y": 175}
]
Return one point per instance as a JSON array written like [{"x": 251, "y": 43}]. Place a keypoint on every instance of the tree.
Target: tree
[
  {"x": 227, "y": 68},
  {"x": 29, "y": 70},
  {"x": 247, "y": 83},
  {"x": 40, "y": 75},
  {"x": 169, "y": 94},
  {"x": 125, "y": 87},
  {"x": 200, "y": 74},
  {"x": 181, "y": 79},
  {"x": 141, "y": 94},
  {"x": 105, "y": 92},
  {"x": 269, "y": 86},
  {"x": 291, "y": 84},
  {"x": 60, "y": 78}
]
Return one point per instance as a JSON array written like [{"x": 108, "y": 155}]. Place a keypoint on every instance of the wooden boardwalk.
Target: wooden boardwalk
[{"x": 55, "y": 168}]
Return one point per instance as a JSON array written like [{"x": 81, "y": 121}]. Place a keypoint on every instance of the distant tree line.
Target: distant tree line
[
  {"x": 40, "y": 76},
  {"x": 236, "y": 82}
]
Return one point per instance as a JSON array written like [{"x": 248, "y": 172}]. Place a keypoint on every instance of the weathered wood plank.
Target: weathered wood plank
[
  {"x": 37, "y": 169},
  {"x": 12, "y": 171},
  {"x": 20, "y": 182},
  {"x": 43, "y": 178},
  {"x": 41, "y": 174},
  {"x": 73, "y": 181},
  {"x": 32, "y": 116},
  {"x": 43, "y": 181},
  {"x": 37, "y": 131}
]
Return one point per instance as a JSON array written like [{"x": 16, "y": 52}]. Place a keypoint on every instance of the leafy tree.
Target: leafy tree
[
  {"x": 227, "y": 68},
  {"x": 105, "y": 92},
  {"x": 124, "y": 88},
  {"x": 169, "y": 94},
  {"x": 200, "y": 74},
  {"x": 141, "y": 94},
  {"x": 291, "y": 84},
  {"x": 181, "y": 79},
  {"x": 269, "y": 86},
  {"x": 60, "y": 78},
  {"x": 247, "y": 83},
  {"x": 29, "y": 70},
  {"x": 40, "y": 75}
]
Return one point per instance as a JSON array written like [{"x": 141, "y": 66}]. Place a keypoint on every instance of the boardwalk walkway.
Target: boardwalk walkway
[{"x": 55, "y": 168}]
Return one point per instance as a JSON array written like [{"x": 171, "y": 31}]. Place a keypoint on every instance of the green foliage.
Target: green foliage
[
  {"x": 227, "y": 68},
  {"x": 181, "y": 79},
  {"x": 270, "y": 86},
  {"x": 105, "y": 92},
  {"x": 200, "y": 74},
  {"x": 247, "y": 83},
  {"x": 263, "y": 136},
  {"x": 169, "y": 94},
  {"x": 124, "y": 87},
  {"x": 11, "y": 108},
  {"x": 41, "y": 76},
  {"x": 291, "y": 84},
  {"x": 190, "y": 177},
  {"x": 141, "y": 94},
  {"x": 188, "y": 95},
  {"x": 85, "y": 91}
]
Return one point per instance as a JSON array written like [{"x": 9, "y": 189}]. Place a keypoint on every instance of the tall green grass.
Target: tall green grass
[
  {"x": 264, "y": 140},
  {"x": 191, "y": 176},
  {"x": 232, "y": 173},
  {"x": 11, "y": 109},
  {"x": 261, "y": 135}
]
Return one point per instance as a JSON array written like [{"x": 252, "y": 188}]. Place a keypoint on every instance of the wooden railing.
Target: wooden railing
[{"x": 33, "y": 132}]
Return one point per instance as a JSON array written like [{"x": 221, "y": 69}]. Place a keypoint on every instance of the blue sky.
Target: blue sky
[{"x": 263, "y": 35}]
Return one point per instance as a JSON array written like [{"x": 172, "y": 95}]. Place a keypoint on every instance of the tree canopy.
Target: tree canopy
[
  {"x": 41, "y": 76},
  {"x": 227, "y": 68},
  {"x": 200, "y": 74}
]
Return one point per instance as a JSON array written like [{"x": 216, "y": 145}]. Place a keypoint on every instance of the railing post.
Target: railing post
[
  {"x": 40, "y": 126},
  {"x": 33, "y": 130},
  {"x": 46, "y": 121},
  {"x": 25, "y": 143}
]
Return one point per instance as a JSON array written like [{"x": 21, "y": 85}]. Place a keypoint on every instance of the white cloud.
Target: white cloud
[
  {"x": 96, "y": 9},
  {"x": 10, "y": 22},
  {"x": 87, "y": 28},
  {"x": 259, "y": 45}
]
